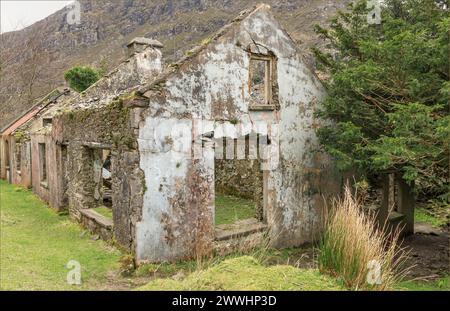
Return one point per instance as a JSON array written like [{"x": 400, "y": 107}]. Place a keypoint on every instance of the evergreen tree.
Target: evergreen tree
[{"x": 389, "y": 91}]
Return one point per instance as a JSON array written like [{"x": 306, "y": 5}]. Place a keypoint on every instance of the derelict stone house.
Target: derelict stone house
[
  {"x": 30, "y": 157},
  {"x": 235, "y": 115},
  {"x": 16, "y": 145},
  {"x": 247, "y": 81}
]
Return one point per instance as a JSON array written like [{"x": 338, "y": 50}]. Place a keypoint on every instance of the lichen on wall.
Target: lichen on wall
[{"x": 213, "y": 85}]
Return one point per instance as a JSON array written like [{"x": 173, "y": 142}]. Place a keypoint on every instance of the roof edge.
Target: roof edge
[
  {"x": 48, "y": 97},
  {"x": 195, "y": 51}
]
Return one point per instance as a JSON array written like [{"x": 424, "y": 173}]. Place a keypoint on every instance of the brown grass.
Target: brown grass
[{"x": 354, "y": 245}]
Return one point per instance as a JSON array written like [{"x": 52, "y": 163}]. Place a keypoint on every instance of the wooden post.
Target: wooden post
[
  {"x": 406, "y": 202},
  {"x": 383, "y": 212}
]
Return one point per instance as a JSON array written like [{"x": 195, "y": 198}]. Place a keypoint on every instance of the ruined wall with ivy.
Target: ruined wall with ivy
[
  {"x": 113, "y": 127},
  {"x": 101, "y": 119}
]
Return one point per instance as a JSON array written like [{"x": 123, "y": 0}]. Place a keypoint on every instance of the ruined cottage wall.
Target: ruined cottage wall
[
  {"x": 14, "y": 177},
  {"x": 177, "y": 213},
  {"x": 6, "y": 156},
  {"x": 96, "y": 119},
  {"x": 22, "y": 176},
  {"x": 305, "y": 175},
  {"x": 21, "y": 138},
  {"x": 19, "y": 175},
  {"x": 115, "y": 126},
  {"x": 214, "y": 86},
  {"x": 54, "y": 190},
  {"x": 39, "y": 188},
  {"x": 242, "y": 178},
  {"x": 134, "y": 71},
  {"x": 2, "y": 158}
]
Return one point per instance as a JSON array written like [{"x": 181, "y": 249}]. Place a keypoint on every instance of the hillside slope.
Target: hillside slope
[{"x": 33, "y": 60}]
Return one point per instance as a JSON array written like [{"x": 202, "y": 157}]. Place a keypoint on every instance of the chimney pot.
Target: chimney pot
[{"x": 140, "y": 43}]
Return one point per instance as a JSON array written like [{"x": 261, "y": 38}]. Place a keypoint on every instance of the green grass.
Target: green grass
[
  {"x": 166, "y": 269},
  {"x": 422, "y": 215},
  {"x": 246, "y": 273},
  {"x": 230, "y": 209},
  {"x": 36, "y": 244},
  {"x": 442, "y": 284},
  {"x": 104, "y": 211}
]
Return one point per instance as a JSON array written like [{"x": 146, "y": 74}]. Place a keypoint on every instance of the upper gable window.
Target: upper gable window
[
  {"x": 47, "y": 121},
  {"x": 261, "y": 80}
]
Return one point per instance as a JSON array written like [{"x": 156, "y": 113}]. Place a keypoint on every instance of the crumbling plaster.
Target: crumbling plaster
[{"x": 213, "y": 86}]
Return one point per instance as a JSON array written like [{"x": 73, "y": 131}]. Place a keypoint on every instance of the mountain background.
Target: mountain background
[{"x": 33, "y": 60}]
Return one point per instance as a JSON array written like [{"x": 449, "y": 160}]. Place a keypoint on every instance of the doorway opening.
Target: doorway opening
[
  {"x": 239, "y": 184},
  {"x": 43, "y": 165},
  {"x": 102, "y": 182},
  {"x": 18, "y": 158},
  {"x": 7, "y": 162}
]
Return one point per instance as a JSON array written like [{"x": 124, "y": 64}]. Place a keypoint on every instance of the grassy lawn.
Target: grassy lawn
[
  {"x": 36, "y": 244},
  {"x": 230, "y": 209},
  {"x": 442, "y": 284},
  {"x": 104, "y": 211},
  {"x": 246, "y": 273},
  {"x": 423, "y": 215}
]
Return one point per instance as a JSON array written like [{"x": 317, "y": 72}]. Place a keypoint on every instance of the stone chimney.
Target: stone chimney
[
  {"x": 139, "y": 44},
  {"x": 147, "y": 56}
]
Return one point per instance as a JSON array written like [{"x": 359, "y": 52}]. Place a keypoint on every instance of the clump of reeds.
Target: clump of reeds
[{"x": 357, "y": 250}]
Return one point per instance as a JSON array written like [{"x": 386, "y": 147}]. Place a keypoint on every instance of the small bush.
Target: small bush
[
  {"x": 353, "y": 246},
  {"x": 80, "y": 78}
]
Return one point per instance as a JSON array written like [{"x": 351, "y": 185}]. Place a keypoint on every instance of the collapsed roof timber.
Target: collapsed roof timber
[{"x": 114, "y": 145}]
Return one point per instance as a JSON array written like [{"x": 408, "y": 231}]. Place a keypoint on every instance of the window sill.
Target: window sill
[
  {"x": 239, "y": 229},
  {"x": 19, "y": 173},
  {"x": 261, "y": 108}
]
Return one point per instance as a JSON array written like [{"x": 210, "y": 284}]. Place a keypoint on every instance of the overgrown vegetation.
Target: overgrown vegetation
[
  {"x": 80, "y": 78},
  {"x": 353, "y": 246},
  {"x": 388, "y": 92}
]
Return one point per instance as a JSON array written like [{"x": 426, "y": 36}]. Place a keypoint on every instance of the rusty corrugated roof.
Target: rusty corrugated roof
[
  {"x": 23, "y": 119},
  {"x": 28, "y": 115}
]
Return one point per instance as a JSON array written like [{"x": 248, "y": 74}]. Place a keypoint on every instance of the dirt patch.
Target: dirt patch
[{"x": 430, "y": 255}]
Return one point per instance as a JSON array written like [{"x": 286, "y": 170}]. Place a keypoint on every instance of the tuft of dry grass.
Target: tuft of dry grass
[{"x": 355, "y": 249}]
